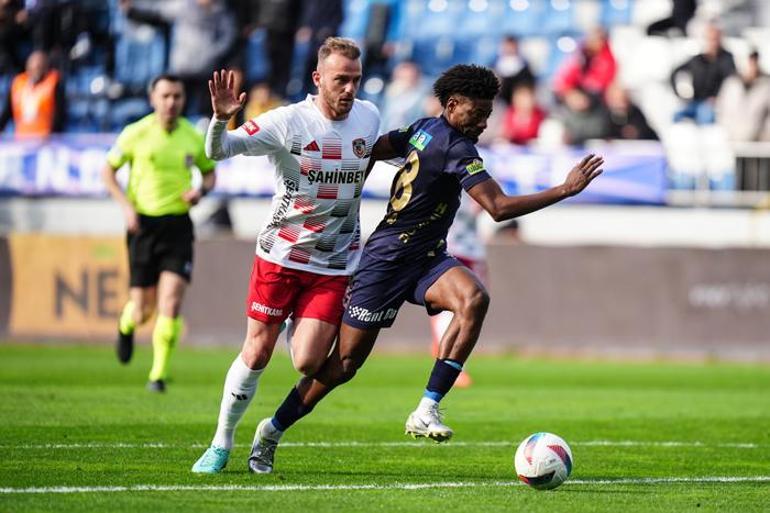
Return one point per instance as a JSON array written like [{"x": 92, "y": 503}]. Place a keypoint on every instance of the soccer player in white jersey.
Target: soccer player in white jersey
[
  {"x": 310, "y": 245},
  {"x": 463, "y": 242}
]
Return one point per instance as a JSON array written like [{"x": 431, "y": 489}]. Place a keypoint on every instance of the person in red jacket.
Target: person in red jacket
[
  {"x": 591, "y": 69},
  {"x": 521, "y": 121}
]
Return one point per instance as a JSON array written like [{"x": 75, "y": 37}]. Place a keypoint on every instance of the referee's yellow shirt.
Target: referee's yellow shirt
[{"x": 160, "y": 163}]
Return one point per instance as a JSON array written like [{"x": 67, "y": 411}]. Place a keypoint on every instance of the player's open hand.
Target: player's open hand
[
  {"x": 583, "y": 174},
  {"x": 225, "y": 101}
]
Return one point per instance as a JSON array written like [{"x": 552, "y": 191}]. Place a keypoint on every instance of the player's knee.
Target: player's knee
[
  {"x": 307, "y": 366},
  {"x": 346, "y": 371},
  {"x": 255, "y": 354},
  {"x": 476, "y": 303}
]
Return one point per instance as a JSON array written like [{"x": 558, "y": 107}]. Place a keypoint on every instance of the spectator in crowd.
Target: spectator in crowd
[
  {"x": 698, "y": 80},
  {"x": 512, "y": 69},
  {"x": 404, "y": 96},
  {"x": 261, "y": 100},
  {"x": 35, "y": 101},
  {"x": 584, "y": 116},
  {"x": 592, "y": 68},
  {"x": 320, "y": 19},
  {"x": 279, "y": 19},
  {"x": 626, "y": 120},
  {"x": 522, "y": 119},
  {"x": 202, "y": 35},
  {"x": 681, "y": 13},
  {"x": 743, "y": 104},
  {"x": 13, "y": 31}
]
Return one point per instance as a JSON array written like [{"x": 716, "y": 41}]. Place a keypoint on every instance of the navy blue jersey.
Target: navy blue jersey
[{"x": 438, "y": 162}]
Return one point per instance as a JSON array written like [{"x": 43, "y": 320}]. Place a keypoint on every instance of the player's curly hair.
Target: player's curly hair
[{"x": 468, "y": 80}]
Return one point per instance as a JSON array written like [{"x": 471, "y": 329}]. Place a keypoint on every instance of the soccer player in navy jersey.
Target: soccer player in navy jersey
[{"x": 405, "y": 259}]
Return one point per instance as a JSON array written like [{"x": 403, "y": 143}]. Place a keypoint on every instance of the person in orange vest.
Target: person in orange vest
[{"x": 36, "y": 99}]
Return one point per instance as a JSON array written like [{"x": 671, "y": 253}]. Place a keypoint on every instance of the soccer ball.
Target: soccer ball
[{"x": 543, "y": 461}]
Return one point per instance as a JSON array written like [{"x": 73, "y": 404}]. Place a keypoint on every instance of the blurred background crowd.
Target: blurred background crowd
[{"x": 572, "y": 71}]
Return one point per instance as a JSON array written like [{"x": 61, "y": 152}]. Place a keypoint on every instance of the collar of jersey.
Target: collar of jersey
[{"x": 311, "y": 100}]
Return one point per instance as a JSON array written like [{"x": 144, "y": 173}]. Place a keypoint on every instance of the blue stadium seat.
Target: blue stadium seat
[
  {"x": 257, "y": 63},
  {"x": 426, "y": 20},
  {"x": 559, "y": 17},
  {"x": 524, "y": 18},
  {"x": 86, "y": 104},
  {"x": 482, "y": 51},
  {"x": 481, "y": 18},
  {"x": 140, "y": 55},
  {"x": 127, "y": 110},
  {"x": 433, "y": 55},
  {"x": 616, "y": 12},
  {"x": 356, "y": 18}
]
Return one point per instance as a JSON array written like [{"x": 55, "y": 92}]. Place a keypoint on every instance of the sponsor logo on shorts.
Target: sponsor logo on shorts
[
  {"x": 364, "y": 315},
  {"x": 420, "y": 139},
  {"x": 477, "y": 166},
  {"x": 251, "y": 127},
  {"x": 263, "y": 309}
]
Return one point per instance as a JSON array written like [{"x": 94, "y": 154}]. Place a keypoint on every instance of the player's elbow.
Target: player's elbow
[{"x": 497, "y": 213}]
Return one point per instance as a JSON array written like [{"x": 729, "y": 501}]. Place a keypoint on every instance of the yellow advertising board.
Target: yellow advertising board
[{"x": 67, "y": 286}]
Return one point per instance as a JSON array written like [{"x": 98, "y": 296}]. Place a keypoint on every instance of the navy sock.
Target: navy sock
[
  {"x": 442, "y": 378},
  {"x": 290, "y": 411}
]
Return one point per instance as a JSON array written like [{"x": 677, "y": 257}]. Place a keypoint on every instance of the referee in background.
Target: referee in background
[{"x": 161, "y": 149}]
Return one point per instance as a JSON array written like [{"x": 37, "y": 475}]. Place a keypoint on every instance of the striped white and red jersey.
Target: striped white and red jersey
[
  {"x": 463, "y": 238},
  {"x": 320, "y": 168}
]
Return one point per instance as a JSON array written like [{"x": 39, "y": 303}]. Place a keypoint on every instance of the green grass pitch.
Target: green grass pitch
[{"x": 80, "y": 433}]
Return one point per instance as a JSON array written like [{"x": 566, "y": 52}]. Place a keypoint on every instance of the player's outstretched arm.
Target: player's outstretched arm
[
  {"x": 502, "y": 207},
  {"x": 225, "y": 103}
]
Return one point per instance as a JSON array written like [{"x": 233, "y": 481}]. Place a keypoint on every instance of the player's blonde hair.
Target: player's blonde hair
[{"x": 340, "y": 45}]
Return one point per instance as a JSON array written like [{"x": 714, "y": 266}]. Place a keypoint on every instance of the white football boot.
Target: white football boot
[{"x": 428, "y": 424}]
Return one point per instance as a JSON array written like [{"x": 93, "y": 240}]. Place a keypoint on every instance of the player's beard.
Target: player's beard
[{"x": 344, "y": 107}]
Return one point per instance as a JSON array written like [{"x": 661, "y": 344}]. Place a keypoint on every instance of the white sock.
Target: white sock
[
  {"x": 240, "y": 388},
  {"x": 426, "y": 403}
]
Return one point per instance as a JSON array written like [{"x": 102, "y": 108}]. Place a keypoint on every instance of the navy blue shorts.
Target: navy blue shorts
[{"x": 380, "y": 287}]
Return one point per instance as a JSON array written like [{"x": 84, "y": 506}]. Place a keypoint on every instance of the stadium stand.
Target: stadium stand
[{"x": 107, "y": 66}]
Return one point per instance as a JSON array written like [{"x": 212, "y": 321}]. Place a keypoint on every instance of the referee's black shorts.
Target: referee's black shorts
[{"x": 162, "y": 243}]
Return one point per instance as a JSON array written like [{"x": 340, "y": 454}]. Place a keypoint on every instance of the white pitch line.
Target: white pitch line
[
  {"x": 590, "y": 443},
  {"x": 353, "y": 487}
]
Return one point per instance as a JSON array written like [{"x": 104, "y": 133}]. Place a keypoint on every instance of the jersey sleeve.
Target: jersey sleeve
[
  {"x": 464, "y": 161},
  {"x": 263, "y": 135},
  {"x": 399, "y": 139},
  {"x": 202, "y": 162},
  {"x": 122, "y": 151}
]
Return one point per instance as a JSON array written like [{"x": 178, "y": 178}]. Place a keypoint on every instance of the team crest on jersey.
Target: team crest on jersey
[
  {"x": 251, "y": 127},
  {"x": 189, "y": 160},
  {"x": 477, "y": 166},
  {"x": 359, "y": 147},
  {"x": 420, "y": 139}
]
